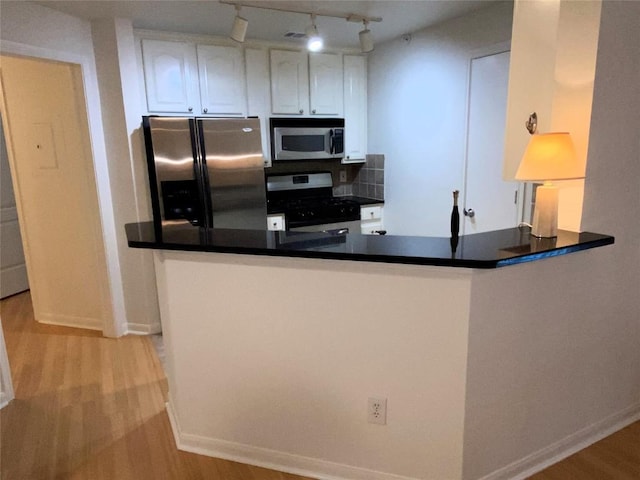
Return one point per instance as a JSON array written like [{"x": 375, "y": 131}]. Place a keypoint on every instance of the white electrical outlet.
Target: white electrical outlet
[
  {"x": 377, "y": 411},
  {"x": 343, "y": 176}
]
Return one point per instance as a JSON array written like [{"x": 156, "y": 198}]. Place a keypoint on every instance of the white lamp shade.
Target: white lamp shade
[
  {"x": 550, "y": 156},
  {"x": 239, "y": 29},
  {"x": 366, "y": 41}
]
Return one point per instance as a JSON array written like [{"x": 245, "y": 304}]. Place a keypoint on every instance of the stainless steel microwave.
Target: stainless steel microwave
[{"x": 307, "y": 138}]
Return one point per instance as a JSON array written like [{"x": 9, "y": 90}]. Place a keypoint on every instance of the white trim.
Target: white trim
[
  {"x": 70, "y": 321},
  {"x": 114, "y": 326},
  {"x": 551, "y": 454},
  {"x": 143, "y": 328},
  {"x": 4, "y": 399},
  {"x": 271, "y": 459},
  {"x": 6, "y": 385}
]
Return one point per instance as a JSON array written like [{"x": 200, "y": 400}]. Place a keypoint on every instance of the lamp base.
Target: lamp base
[{"x": 545, "y": 213}]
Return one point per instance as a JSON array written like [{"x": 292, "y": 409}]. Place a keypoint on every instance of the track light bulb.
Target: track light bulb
[
  {"x": 366, "y": 40},
  {"x": 239, "y": 29},
  {"x": 314, "y": 40}
]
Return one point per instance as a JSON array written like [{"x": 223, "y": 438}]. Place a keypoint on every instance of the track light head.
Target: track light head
[
  {"x": 239, "y": 29},
  {"x": 366, "y": 40},
  {"x": 314, "y": 40}
]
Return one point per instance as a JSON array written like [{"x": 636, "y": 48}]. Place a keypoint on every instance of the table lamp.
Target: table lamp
[{"x": 549, "y": 156}]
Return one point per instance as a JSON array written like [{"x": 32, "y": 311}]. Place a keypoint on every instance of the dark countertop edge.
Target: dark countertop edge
[
  {"x": 397, "y": 259},
  {"x": 363, "y": 201},
  {"x": 532, "y": 257}
]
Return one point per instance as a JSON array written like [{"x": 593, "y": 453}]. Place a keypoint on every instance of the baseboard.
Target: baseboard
[
  {"x": 4, "y": 399},
  {"x": 272, "y": 459},
  {"x": 70, "y": 321},
  {"x": 143, "y": 329},
  {"x": 538, "y": 461}
]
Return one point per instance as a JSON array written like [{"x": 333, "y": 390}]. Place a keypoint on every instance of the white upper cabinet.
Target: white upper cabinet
[
  {"x": 355, "y": 108},
  {"x": 325, "y": 83},
  {"x": 258, "y": 94},
  {"x": 170, "y": 73},
  {"x": 289, "y": 83},
  {"x": 222, "y": 80}
]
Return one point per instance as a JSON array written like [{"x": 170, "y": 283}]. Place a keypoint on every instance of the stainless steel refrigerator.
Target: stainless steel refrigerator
[{"x": 208, "y": 172}]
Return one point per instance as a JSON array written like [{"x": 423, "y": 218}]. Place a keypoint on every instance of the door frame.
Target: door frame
[
  {"x": 116, "y": 326},
  {"x": 487, "y": 51}
]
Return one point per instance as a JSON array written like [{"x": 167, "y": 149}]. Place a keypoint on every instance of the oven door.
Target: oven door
[
  {"x": 352, "y": 226},
  {"x": 313, "y": 143}
]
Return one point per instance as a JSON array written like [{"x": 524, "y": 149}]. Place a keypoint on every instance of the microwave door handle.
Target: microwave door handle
[{"x": 332, "y": 145}]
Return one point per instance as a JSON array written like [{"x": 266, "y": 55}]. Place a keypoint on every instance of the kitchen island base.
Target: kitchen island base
[
  {"x": 487, "y": 374},
  {"x": 271, "y": 361}
]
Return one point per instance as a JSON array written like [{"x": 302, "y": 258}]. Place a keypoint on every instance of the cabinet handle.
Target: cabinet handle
[
  {"x": 301, "y": 111},
  {"x": 190, "y": 109},
  {"x": 313, "y": 111},
  {"x": 205, "y": 110}
]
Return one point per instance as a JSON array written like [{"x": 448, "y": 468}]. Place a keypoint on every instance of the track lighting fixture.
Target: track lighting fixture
[
  {"x": 239, "y": 29},
  {"x": 314, "y": 40},
  {"x": 366, "y": 40}
]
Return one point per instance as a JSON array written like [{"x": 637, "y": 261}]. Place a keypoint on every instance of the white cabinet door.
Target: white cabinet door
[
  {"x": 170, "y": 75},
  {"x": 325, "y": 87},
  {"x": 258, "y": 95},
  {"x": 371, "y": 219},
  {"x": 355, "y": 108},
  {"x": 289, "y": 83},
  {"x": 222, "y": 80}
]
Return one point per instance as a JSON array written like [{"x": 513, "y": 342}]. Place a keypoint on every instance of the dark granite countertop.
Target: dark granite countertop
[
  {"x": 363, "y": 200},
  {"x": 481, "y": 250}
]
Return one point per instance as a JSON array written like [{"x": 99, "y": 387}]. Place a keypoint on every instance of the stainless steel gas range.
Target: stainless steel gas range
[{"x": 307, "y": 201}]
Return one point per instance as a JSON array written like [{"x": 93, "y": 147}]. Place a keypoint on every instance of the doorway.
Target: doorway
[
  {"x": 49, "y": 152},
  {"x": 13, "y": 269},
  {"x": 489, "y": 202}
]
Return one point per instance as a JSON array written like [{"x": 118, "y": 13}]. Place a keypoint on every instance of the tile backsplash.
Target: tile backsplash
[
  {"x": 369, "y": 181},
  {"x": 363, "y": 179}
]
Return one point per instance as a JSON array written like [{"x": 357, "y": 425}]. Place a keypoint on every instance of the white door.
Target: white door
[
  {"x": 355, "y": 108},
  {"x": 325, "y": 78},
  {"x": 491, "y": 202},
  {"x": 13, "y": 270},
  {"x": 47, "y": 136},
  {"x": 222, "y": 80},
  {"x": 289, "y": 83},
  {"x": 170, "y": 76}
]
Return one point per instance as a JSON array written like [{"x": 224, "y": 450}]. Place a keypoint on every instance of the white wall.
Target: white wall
[
  {"x": 122, "y": 107},
  {"x": 552, "y": 363},
  {"x": 33, "y": 30},
  {"x": 555, "y": 43},
  {"x": 283, "y": 380},
  {"x": 38, "y": 31},
  {"x": 417, "y": 116}
]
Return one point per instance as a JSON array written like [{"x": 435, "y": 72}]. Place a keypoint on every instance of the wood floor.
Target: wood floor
[{"x": 89, "y": 407}]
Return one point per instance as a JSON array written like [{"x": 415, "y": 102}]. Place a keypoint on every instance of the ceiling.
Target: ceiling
[{"x": 210, "y": 17}]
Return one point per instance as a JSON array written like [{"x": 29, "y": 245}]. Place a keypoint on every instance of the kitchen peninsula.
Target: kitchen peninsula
[{"x": 275, "y": 341}]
